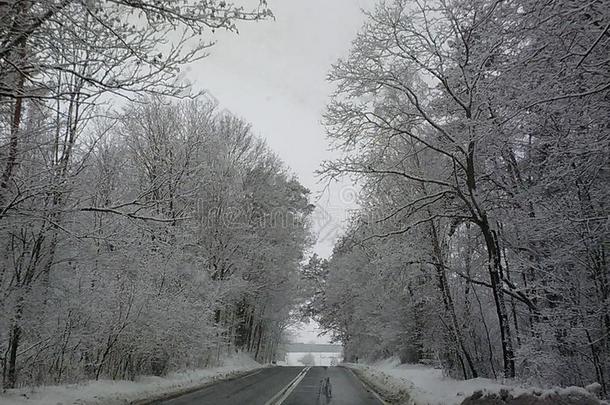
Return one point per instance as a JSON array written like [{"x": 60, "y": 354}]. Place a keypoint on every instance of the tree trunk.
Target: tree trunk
[
  {"x": 11, "y": 373},
  {"x": 11, "y": 159},
  {"x": 495, "y": 274},
  {"x": 448, "y": 301}
]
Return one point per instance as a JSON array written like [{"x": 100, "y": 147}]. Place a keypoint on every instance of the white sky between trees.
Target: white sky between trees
[{"x": 273, "y": 74}]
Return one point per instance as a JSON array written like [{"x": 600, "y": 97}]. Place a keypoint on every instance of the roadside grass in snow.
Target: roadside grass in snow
[
  {"x": 416, "y": 384},
  {"x": 120, "y": 392}
]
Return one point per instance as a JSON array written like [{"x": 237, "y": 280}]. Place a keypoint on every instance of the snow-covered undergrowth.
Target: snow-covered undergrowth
[
  {"x": 125, "y": 392},
  {"x": 422, "y": 385},
  {"x": 416, "y": 384}
]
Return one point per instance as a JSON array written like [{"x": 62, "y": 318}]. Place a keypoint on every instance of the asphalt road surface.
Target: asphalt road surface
[{"x": 285, "y": 386}]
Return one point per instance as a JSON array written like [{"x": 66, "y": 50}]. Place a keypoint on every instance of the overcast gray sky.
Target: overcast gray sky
[{"x": 273, "y": 74}]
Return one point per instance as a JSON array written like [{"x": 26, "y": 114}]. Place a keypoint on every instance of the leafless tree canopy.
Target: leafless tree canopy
[
  {"x": 479, "y": 133},
  {"x": 138, "y": 233}
]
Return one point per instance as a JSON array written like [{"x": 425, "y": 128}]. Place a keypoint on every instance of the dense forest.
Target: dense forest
[
  {"x": 479, "y": 134},
  {"x": 142, "y": 229}
]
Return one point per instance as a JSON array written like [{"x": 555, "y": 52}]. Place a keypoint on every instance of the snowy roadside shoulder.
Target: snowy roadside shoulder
[
  {"x": 536, "y": 396},
  {"x": 391, "y": 389},
  {"x": 416, "y": 384},
  {"x": 106, "y": 392}
]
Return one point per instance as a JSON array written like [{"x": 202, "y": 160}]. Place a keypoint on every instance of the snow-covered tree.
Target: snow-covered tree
[{"x": 478, "y": 134}]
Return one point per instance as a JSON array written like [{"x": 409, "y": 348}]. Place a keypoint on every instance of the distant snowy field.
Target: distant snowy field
[
  {"x": 121, "y": 392},
  {"x": 416, "y": 384}
]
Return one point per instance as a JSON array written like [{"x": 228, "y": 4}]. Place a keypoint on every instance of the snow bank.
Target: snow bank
[
  {"x": 423, "y": 385},
  {"x": 532, "y": 396},
  {"x": 125, "y": 392},
  {"x": 416, "y": 384}
]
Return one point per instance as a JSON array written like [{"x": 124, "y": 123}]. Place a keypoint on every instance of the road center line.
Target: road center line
[{"x": 281, "y": 396}]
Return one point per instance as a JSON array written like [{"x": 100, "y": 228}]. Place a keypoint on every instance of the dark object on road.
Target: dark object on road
[{"x": 326, "y": 389}]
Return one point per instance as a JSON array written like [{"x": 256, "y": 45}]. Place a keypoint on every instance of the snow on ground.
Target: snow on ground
[
  {"x": 417, "y": 384},
  {"x": 124, "y": 392},
  {"x": 425, "y": 385}
]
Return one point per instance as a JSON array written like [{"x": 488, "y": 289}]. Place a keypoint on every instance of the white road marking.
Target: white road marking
[
  {"x": 367, "y": 387},
  {"x": 287, "y": 390},
  {"x": 250, "y": 375}
]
